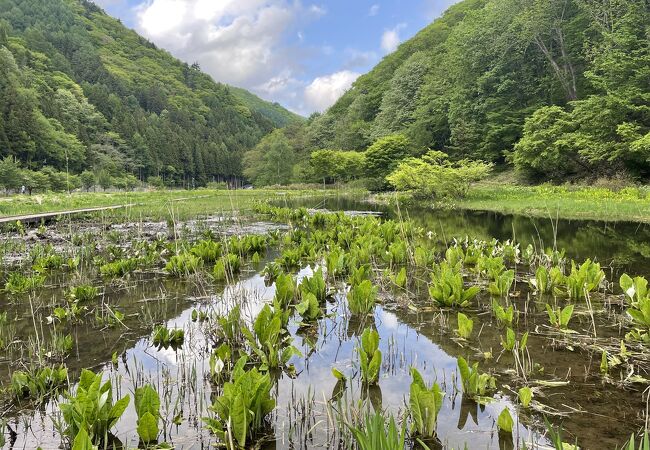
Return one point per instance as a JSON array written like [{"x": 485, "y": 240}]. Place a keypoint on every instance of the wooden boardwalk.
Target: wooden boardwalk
[{"x": 31, "y": 218}]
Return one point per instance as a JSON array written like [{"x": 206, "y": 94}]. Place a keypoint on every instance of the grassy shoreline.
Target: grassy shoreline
[
  {"x": 581, "y": 203},
  {"x": 586, "y": 203},
  {"x": 156, "y": 205}
]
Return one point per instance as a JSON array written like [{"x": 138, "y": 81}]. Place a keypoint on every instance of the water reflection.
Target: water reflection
[{"x": 623, "y": 246}]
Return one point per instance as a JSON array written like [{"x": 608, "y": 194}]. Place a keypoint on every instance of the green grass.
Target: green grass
[
  {"x": 154, "y": 205},
  {"x": 563, "y": 202}
]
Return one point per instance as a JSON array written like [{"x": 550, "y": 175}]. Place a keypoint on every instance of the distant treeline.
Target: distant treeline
[
  {"x": 557, "y": 89},
  {"x": 81, "y": 93}
]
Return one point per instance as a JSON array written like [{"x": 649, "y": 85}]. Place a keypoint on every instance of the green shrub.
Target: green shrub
[{"x": 434, "y": 176}]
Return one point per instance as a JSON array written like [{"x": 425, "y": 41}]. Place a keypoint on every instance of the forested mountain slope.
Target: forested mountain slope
[
  {"x": 559, "y": 88},
  {"x": 80, "y": 91}
]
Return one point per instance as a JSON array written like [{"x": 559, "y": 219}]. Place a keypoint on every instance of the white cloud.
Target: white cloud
[
  {"x": 162, "y": 16},
  {"x": 390, "y": 40},
  {"x": 374, "y": 10},
  {"x": 317, "y": 10},
  {"x": 324, "y": 91},
  {"x": 236, "y": 41}
]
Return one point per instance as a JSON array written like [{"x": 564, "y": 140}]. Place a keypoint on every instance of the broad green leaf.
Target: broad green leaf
[
  {"x": 505, "y": 422},
  {"x": 525, "y": 396},
  {"x": 117, "y": 410},
  {"x": 239, "y": 419},
  {"x": 148, "y": 428},
  {"x": 82, "y": 441},
  {"x": 338, "y": 374},
  {"x": 147, "y": 401}
]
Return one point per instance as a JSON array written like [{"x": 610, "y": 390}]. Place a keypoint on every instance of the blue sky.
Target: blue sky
[{"x": 301, "y": 54}]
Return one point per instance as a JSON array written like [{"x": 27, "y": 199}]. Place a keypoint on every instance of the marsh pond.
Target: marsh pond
[{"x": 320, "y": 323}]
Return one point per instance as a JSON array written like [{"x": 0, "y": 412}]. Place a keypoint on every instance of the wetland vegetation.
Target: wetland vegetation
[{"x": 350, "y": 326}]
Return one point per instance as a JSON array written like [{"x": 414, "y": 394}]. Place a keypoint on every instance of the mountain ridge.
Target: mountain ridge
[{"x": 93, "y": 95}]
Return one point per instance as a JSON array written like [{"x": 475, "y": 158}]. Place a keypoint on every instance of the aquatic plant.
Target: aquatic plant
[
  {"x": 17, "y": 283},
  {"x": 359, "y": 274},
  {"x": 397, "y": 253},
  {"x": 399, "y": 279},
  {"x": 491, "y": 266},
  {"x": 272, "y": 271},
  {"x": 83, "y": 293},
  {"x": 475, "y": 384},
  {"x": 164, "y": 338},
  {"x": 525, "y": 395},
  {"x": 373, "y": 433},
  {"x": 109, "y": 317},
  {"x": 369, "y": 356},
  {"x": 208, "y": 250},
  {"x": 455, "y": 255},
  {"x": 269, "y": 342},
  {"x": 285, "y": 290},
  {"x": 38, "y": 383},
  {"x": 229, "y": 328},
  {"x": 583, "y": 279},
  {"x": 560, "y": 318},
  {"x": 183, "y": 264},
  {"x": 644, "y": 443},
  {"x": 226, "y": 266},
  {"x": 200, "y": 316},
  {"x": 242, "y": 408},
  {"x": 70, "y": 312},
  {"x": 46, "y": 263},
  {"x": 91, "y": 409},
  {"x": 118, "y": 268},
  {"x": 447, "y": 287},
  {"x": 465, "y": 326},
  {"x": 504, "y": 316},
  {"x": 424, "y": 405},
  {"x": 555, "y": 436},
  {"x": 505, "y": 422},
  {"x": 147, "y": 407},
  {"x": 502, "y": 283},
  {"x": 546, "y": 280},
  {"x": 335, "y": 263},
  {"x": 61, "y": 344},
  {"x": 635, "y": 289},
  {"x": 309, "y": 308},
  {"x": 314, "y": 285},
  {"x": 362, "y": 298},
  {"x": 473, "y": 252},
  {"x": 510, "y": 343},
  {"x": 290, "y": 259},
  {"x": 423, "y": 256},
  {"x": 509, "y": 251}
]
